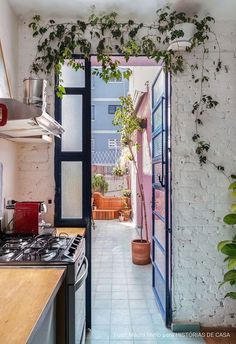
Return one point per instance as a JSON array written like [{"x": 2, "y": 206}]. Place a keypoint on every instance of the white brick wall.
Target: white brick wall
[
  {"x": 35, "y": 161},
  {"x": 200, "y": 197}
]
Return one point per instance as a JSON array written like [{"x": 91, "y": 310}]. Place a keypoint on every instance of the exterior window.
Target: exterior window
[
  {"x": 92, "y": 145},
  {"x": 112, "y": 109},
  {"x": 116, "y": 80},
  {"x": 113, "y": 144},
  {"x": 93, "y": 112},
  {"x": 92, "y": 81}
]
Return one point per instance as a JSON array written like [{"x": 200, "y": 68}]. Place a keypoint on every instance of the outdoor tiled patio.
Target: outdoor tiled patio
[{"x": 124, "y": 309}]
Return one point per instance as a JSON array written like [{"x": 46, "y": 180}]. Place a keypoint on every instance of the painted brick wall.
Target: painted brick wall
[
  {"x": 200, "y": 197},
  {"x": 35, "y": 171}
]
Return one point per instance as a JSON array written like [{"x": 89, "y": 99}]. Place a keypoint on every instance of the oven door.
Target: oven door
[{"x": 76, "y": 306}]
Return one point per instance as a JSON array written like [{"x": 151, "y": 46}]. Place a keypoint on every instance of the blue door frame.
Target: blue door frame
[
  {"x": 161, "y": 195},
  {"x": 85, "y": 157}
]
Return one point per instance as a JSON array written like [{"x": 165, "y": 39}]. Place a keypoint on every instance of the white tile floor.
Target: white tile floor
[{"x": 124, "y": 309}]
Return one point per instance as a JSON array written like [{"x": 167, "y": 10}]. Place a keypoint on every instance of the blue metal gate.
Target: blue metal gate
[{"x": 161, "y": 194}]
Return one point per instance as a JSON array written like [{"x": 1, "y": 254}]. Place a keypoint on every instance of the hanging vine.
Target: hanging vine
[{"x": 106, "y": 35}]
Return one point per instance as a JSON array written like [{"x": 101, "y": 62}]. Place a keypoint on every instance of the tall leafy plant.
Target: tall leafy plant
[
  {"x": 99, "y": 183},
  {"x": 228, "y": 247},
  {"x": 128, "y": 122}
]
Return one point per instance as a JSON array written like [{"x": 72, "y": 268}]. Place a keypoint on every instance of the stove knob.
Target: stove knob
[{"x": 72, "y": 250}]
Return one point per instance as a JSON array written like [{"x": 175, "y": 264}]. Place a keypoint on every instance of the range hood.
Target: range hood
[{"x": 28, "y": 121}]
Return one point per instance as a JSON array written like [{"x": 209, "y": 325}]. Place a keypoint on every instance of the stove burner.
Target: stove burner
[
  {"x": 47, "y": 254},
  {"x": 7, "y": 254},
  {"x": 39, "y": 243},
  {"x": 15, "y": 244},
  {"x": 58, "y": 242}
]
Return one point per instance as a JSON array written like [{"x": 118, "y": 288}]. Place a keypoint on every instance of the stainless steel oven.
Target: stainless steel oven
[{"x": 76, "y": 306}]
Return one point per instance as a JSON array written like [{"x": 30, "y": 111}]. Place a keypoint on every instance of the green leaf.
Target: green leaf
[
  {"x": 233, "y": 208},
  {"x": 233, "y": 193},
  {"x": 229, "y": 250},
  {"x": 232, "y": 186},
  {"x": 231, "y": 294},
  {"x": 232, "y": 263},
  {"x": 222, "y": 244},
  {"x": 230, "y": 276},
  {"x": 230, "y": 219}
]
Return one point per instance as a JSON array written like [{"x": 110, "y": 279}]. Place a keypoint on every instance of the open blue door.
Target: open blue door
[{"x": 161, "y": 194}]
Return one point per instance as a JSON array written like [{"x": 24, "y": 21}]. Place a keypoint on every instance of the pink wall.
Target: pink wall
[{"x": 144, "y": 160}]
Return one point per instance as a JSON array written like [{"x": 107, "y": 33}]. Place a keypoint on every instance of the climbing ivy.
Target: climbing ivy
[{"x": 106, "y": 35}]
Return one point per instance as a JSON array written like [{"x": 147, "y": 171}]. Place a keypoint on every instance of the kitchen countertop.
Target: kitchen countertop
[
  {"x": 25, "y": 292},
  {"x": 71, "y": 231}
]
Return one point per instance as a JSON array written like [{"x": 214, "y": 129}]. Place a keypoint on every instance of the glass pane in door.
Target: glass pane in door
[
  {"x": 71, "y": 77},
  {"x": 71, "y": 118},
  {"x": 157, "y": 117},
  {"x": 159, "y": 88},
  {"x": 71, "y": 189}
]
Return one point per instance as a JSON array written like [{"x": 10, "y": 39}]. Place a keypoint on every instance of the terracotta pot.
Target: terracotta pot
[
  {"x": 121, "y": 218},
  {"x": 126, "y": 213},
  {"x": 141, "y": 252}
]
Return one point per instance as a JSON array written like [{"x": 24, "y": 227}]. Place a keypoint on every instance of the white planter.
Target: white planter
[{"x": 180, "y": 44}]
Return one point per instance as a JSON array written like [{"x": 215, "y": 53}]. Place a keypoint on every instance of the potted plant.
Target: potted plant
[
  {"x": 99, "y": 184},
  {"x": 126, "y": 211},
  {"x": 128, "y": 122},
  {"x": 126, "y": 193},
  {"x": 181, "y": 36},
  {"x": 118, "y": 171},
  {"x": 121, "y": 216}
]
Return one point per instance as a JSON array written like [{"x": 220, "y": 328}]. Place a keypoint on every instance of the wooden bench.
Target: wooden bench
[{"x": 108, "y": 208}]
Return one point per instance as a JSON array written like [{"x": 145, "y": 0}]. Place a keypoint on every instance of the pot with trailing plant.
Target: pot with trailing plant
[{"x": 128, "y": 122}]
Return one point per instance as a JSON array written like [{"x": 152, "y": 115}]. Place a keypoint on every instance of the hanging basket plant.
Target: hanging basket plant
[{"x": 183, "y": 40}]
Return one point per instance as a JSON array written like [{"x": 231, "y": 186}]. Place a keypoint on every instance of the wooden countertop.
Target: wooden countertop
[
  {"x": 71, "y": 231},
  {"x": 25, "y": 292}
]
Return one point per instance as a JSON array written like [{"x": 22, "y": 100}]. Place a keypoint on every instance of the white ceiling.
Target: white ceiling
[{"x": 220, "y": 9}]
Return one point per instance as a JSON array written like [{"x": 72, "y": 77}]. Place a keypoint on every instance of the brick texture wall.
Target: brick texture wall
[{"x": 200, "y": 197}]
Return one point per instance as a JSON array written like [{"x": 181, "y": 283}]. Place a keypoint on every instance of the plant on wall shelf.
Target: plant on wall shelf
[
  {"x": 118, "y": 171},
  {"x": 228, "y": 247},
  {"x": 99, "y": 183}
]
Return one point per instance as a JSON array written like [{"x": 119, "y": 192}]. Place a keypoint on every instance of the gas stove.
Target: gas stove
[{"x": 41, "y": 248}]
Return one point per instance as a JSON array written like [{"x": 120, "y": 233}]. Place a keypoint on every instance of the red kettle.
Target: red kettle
[{"x": 3, "y": 115}]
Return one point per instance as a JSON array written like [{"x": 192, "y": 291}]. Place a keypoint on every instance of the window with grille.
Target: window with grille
[
  {"x": 112, "y": 109},
  {"x": 116, "y": 80},
  {"x": 92, "y": 145},
  {"x": 113, "y": 143}
]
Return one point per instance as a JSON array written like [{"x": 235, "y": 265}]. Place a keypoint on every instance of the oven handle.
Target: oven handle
[{"x": 82, "y": 278}]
